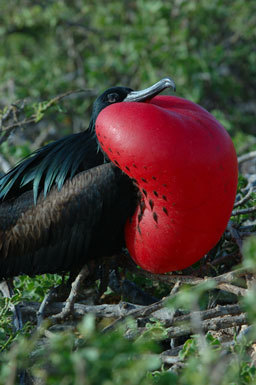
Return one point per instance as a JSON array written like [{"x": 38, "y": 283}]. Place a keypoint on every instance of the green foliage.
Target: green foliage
[
  {"x": 34, "y": 289},
  {"x": 7, "y": 334},
  {"x": 50, "y": 47},
  {"x": 14, "y": 152},
  {"x": 192, "y": 299},
  {"x": 249, "y": 262},
  {"x": 89, "y": 357},
  {"x": 249, "y": 250},
  {"x": 86, "y": 355},
  {"x": 207, "y": 47}
]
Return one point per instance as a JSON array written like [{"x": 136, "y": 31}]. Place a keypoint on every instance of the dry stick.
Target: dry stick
[
  {"x": 24, "y": 122},
  {"x": 245, "y": 198},
  {"x": 220, "y": 284},
  {"x": 29, "y": 309},
  {"x": 125, "y": 309},
  {"x": 218, "y": 311},
  {"x": 230, "y": 276},
  {"x": 212, "y": 324},
  {"x": 243, "y": 158},
  {"x": 237, "y": 290},
  {"x": 170, "y": 360},
  {"x": 7, "y": 114},
  {"x": 215, "y": 324},
  {"x": 248, "y": 210},
  {"x": 146, "y": 311},
  {"x": 57, "y": 98},
  {"x": 69, "y": 305},
  {"x": 33, "y": 119},
  {"x": 165, "y": 358}
]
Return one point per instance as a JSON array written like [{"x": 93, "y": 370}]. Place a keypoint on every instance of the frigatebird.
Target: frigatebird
[{"x": 67, "y": 202}]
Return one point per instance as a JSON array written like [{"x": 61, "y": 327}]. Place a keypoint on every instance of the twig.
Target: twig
[
  {"x": 24, "y": 122},
  {"x": 222, "y": 283},
  {"x": 125, "y": 309},
  {"x": 214, "y": 324},
  {"x": 145, "y": 311},
  {"x": 218, "y": 311},
  {"x": 6, "y": 115},
  {"x": 230, "y": 276},
  {"x": 57, "y": 98},
  {"x": 245, "y": 157},
  {"x": 248, "y": 210},
  {"x": 29, "y": 309},
  {"x": 245, "y": 198},
  {"x": 69, "y": 305},
  {"x": 237, "y": 290},
  {"x": 170, "y": 360},
  {"x": 5, "y": 131}
]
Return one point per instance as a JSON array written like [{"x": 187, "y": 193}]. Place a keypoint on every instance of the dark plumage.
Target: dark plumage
[
  {"x": 63, "y": 204},
  {"x": 65, "y": 227},
  {"x": 66, "y": 203},
  {"x": 62, "y": 159}
]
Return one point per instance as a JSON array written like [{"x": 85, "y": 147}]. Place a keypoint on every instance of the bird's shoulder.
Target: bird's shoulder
[{"x": 52, "y": 165}]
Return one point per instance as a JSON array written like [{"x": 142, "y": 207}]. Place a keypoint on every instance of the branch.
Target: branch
[
  {"x": 244, "y": 158},
  {"x": 70, "y": 302},
  {"x": 248, "y": 210},
  {"x": 245, "y": 198},
  {"x": 218, "y": 311},
  {"x": 214, "y": 324},
  {"x": 15, "y": 110}
]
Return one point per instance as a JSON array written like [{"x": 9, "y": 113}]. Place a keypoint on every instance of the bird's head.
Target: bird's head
[{"x": 124, "y": 94}]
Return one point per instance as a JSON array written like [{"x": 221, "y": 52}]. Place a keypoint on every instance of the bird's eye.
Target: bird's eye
[{"x": 112, "y": 98}]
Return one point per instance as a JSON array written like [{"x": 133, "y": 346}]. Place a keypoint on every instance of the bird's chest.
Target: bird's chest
[{"x": 184, "y": 165}]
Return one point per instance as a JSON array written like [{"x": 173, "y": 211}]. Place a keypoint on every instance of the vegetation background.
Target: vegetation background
[{"x": 50, "y": 47}]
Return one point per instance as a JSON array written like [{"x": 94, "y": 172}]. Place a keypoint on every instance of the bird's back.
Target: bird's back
[
  {"x": 52, "y": 165},
  {"x": 85, "y": 219}
]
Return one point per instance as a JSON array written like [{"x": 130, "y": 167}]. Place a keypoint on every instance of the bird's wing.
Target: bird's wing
[
  {"x": 52, "y": 164},
  {"x": 84, "y": 219}
]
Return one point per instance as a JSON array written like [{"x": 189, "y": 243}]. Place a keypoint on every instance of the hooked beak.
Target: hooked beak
[{"x": 150, "y": 92}]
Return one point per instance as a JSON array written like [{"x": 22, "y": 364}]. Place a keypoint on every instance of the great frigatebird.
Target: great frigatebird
[{"x": 66, "y": 202}]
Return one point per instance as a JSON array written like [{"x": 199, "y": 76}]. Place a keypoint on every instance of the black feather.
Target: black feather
[
  {"x": 58, "y": 161},
  {"x": 65, "y": 229},
  {"x": 52, "y": 164}
]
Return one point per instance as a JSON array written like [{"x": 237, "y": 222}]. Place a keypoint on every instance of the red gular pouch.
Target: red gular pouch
[{"x": 185, "y": 166}]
